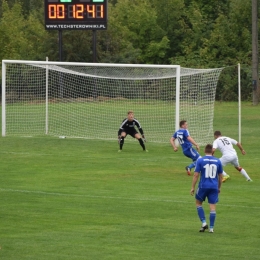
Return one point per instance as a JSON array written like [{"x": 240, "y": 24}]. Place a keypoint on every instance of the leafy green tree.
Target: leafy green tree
[
  {"x": 28, "y": 6},
  {"x": 21, "y": 38},
  {"x": 211, "y": 9},
  {"x": 138, "y": 21},
  {"x": 192, "y": 33},
  {"x": 193, "y": 37},
  {"x": 31, "y": 6},
  {"x": 229, "y": 44},
  {"x": 77, "y": 46},
  {"x": 156, "y": 52},
  {"x": 114, "y": 44},
  {"x": 170, "y": 17},
  {"x": 230, "y": 39}
]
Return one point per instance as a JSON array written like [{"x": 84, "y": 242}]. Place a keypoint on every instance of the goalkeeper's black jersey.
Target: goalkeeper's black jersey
[{"x": 129, "y": 126}]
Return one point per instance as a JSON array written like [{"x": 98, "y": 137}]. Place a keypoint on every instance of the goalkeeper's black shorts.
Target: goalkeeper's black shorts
[{"x": 131, "y": 132}]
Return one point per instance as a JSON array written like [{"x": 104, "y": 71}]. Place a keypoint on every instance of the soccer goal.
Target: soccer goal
[{"x": 90, "y": 100}]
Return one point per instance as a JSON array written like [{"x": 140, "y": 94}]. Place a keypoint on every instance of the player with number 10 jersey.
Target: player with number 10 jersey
[{"x": 209, "y": 168}]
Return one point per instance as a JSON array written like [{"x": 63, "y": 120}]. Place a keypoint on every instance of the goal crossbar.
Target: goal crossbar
[{"x": 72, "y": 91}]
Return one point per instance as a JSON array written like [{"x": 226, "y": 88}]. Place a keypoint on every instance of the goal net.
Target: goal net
[{"x": 91, "y": 100}]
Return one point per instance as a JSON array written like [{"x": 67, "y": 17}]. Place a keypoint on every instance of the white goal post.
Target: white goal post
[{"x": 90, "y": 100}]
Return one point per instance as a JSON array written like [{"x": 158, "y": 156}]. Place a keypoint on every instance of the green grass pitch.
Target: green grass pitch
[{"x": 64, "y": 199}]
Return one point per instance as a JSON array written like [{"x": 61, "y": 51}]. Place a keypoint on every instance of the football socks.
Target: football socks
[
  {"x": 122, "y": 142},
  {"x": 212, "y": 217},
  {"x": 141, "y": 143},
  {"x": 201, "y": 214}
]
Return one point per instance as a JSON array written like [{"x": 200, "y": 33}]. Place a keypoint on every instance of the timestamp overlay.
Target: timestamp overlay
[{"x": 75, "y": 14}]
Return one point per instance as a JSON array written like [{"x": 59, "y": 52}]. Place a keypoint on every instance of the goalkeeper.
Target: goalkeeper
[{"x": 128, "y": 128}]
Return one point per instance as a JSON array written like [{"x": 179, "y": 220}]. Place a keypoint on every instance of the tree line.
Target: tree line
[{"x": 192, "y": 33}]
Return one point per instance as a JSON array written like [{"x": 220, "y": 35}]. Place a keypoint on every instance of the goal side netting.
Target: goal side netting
[{"x": 90, "y": 100}]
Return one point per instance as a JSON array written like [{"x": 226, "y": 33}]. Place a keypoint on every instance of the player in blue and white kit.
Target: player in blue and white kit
[
  {"x": 209, "y": 168},
  {"x": 186, "y": 142}
]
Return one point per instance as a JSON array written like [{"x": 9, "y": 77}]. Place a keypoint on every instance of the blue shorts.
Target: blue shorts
[
  {"x": 211, "y": 194},
  {"x": 192, "y": 154}
]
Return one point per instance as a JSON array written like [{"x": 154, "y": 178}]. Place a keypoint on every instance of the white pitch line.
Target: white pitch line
[
  {"x": 119, "y": 198},
  {"x": 86, "y": 156},
  {"x": 147, "y": 158}
]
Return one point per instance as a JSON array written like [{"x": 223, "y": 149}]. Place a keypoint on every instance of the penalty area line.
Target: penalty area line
[
  {"x": 114, "y": 197},
  {"x": 107, "y": 157}
]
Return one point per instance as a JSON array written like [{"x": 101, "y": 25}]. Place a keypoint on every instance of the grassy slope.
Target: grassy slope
[{"x": 80, "y": 199}]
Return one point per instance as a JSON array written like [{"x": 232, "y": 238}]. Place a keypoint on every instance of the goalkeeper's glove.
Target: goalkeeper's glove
[
  {"x": 143, "y": 138},
  {"x": 119, "y": 138}
]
